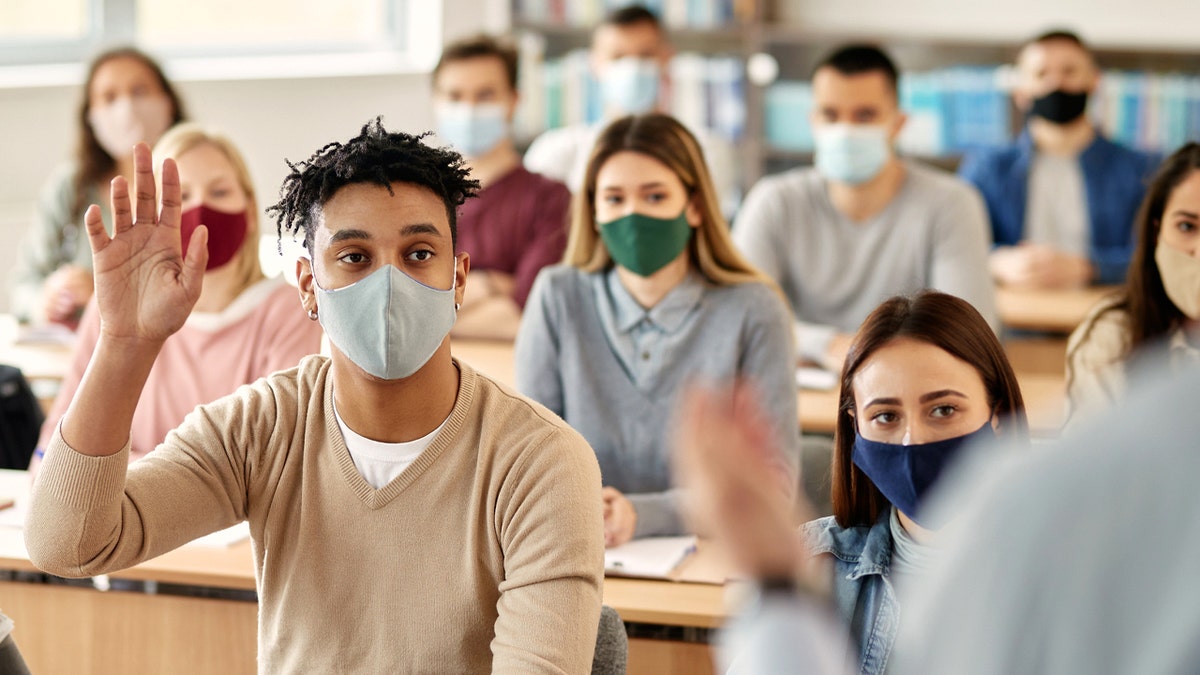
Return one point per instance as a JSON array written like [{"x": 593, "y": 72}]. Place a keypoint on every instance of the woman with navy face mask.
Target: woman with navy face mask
[
  {"x": 925, "y": 376},
  {"x": 652, "y": 294}
]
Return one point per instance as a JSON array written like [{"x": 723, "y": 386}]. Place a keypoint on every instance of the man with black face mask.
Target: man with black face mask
[{"x": 1062, "y": 199}]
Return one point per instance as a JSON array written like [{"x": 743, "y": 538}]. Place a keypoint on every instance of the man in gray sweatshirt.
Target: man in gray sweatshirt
[{"x": 862, "y": 224}]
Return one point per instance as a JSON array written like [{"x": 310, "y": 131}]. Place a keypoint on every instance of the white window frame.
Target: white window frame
[{"x": 412, "y": 44}]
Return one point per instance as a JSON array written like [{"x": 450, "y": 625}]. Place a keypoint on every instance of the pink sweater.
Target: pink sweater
[{"x": 264, "y": 330}]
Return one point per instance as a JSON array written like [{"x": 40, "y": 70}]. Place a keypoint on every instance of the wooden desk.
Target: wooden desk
[
  {"x": 64, "y": 629},
  {"x": 1054, "y": 311},
  {"x": 43, "y": 364},
  {"x": 1039, "y": 365}
]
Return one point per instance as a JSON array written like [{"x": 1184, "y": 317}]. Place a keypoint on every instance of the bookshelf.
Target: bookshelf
[{"x": 954, "y": 85}]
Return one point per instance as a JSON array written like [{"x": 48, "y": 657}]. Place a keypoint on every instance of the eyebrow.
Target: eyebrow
[
  {"x": 643, "y": 186},
  {"x": 925, "y": 398},
  {"x": 941, "y": 393},
  {"x": 407, "y": 231},
  {"x": 1186, "y": 214}
]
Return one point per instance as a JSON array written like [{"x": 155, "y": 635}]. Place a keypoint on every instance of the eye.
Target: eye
[
  {"x": 420, "y": 255},
  {"x": 353, "y": 258},
  {"x": 943, "y": 411},
  {"x": 612, "y": 199},
  {"x": 656, "y": 197},
  {"x": 218, "y": 193},
  {"x": 885, "y": 417},
  {"x": 1186, "y": 226}
]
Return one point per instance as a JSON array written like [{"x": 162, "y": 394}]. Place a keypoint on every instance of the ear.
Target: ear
[
  {"x": 513, "y": 104},
  {"x": 693, "y": 213},
  {"x": 897, "y": 126},
  {"x": 462, "y": 267},
  {"x": 305, "y": 282}
]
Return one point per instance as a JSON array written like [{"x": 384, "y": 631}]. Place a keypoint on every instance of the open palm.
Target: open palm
[{"x": 145, "y": 288}]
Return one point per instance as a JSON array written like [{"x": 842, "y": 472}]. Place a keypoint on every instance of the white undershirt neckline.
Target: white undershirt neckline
[{"x": 380, "y": 463}]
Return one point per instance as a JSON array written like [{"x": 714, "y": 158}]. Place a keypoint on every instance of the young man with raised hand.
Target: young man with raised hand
[{"x": 407, "y": 513}]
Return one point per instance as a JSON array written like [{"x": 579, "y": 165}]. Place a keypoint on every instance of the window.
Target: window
[{"x": 70, "y": 31}]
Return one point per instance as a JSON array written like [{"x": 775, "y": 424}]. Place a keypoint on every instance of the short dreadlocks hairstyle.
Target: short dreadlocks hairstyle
[{"x": 374, "y": 156}]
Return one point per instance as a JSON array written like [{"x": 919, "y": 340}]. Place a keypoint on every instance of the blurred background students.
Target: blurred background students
[
  {"x": 126, "y": 100},
  {"x": 243, "y": 326},
  {"x": 1160, "y": 302},
  {"x": 1062, "y": 199},
  {"x": 652, "y": 294},
  {"x": 518, "y": 223},
  {"x": 630, "y": 56},
  {"x": 862, "y": 224}
]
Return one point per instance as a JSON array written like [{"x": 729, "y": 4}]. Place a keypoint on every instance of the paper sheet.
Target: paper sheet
[{"x": 652, "y": 557}]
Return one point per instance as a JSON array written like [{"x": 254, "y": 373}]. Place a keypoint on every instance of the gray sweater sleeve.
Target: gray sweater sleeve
[
  {"x": 41, "y": 250},
  {"x": 536, "y": 352},
  {"x": 761, "y": 235},
  {"x": 961, "y": 242}
]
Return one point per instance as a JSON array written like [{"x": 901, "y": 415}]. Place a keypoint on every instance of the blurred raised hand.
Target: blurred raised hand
[
  {"x": 734, "y": 477},
  {"x": 145, "y": 288}
]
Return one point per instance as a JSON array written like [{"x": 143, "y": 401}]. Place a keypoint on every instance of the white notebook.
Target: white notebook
[{"x": 652, "y": 557}]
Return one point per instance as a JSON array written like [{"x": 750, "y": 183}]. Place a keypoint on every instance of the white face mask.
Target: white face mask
[
  {"x": 630, "y": 85},
  {"x": 128, "y": 120},
  {"x": 387, "y": 323},
  {"x": 473, "y": 129},
  {"x": 1180, "y": 274},
  {"x": 851, "y": 153}
]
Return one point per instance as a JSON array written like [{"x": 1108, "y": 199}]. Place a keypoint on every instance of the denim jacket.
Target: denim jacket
[
  {"x": 862, "y": 591},
  {"x": 1114, "y": 179}
]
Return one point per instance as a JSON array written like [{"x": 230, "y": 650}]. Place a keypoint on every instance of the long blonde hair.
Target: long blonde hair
[
  {"x": 662, "y": 138},
  {"x": 186, "y": 136}
]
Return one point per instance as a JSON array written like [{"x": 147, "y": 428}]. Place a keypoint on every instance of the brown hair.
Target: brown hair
[
  {"x": 93, "y": 162},
  {"x": 946, "y": 322},
  {"x": 481, "y": 46},
  {"x": 662, "y": 138},
  {"x": 184, "y": 137},
  {"x": 1152, "y": 315}
]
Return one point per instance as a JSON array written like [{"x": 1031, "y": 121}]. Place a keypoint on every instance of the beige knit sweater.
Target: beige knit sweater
[{"x": 486, "y": 553}]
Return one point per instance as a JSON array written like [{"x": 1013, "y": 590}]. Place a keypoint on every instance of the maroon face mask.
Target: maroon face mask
[{"x": 226, "y": 232}]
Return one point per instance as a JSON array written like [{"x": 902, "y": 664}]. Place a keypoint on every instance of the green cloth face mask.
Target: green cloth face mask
[{"x": 644, "y": 244}]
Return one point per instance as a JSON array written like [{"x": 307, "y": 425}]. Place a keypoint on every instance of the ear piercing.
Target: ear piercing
[{"x": 312, "y": 314}]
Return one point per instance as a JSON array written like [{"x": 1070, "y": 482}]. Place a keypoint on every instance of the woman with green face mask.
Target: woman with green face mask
[{"x": 652, "y": 294}]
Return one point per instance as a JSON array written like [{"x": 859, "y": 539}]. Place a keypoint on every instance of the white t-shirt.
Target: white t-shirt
[
  {"x": 380, "y": 463},
  {"x": 1056, "y": 212}
]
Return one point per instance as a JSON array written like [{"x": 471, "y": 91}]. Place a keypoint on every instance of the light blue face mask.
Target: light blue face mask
[
  {"x": 473, "y": 129},
  {"x": 851, "y": 153},
  {"x": 630, "y": 85},
  {"x": 387, "y": 323}
]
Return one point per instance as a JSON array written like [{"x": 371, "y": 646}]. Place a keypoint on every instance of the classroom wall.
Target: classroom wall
[{"x": 270, "y": 119}]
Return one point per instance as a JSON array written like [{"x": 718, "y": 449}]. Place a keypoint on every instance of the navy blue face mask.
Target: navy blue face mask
[{"x": 904, "y": 473}]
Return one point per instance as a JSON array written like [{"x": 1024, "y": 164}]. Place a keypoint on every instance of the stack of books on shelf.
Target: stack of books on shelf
[
  {"x": 705, "y": 91},
  {"x": 1150, "y": 111},
  {"x": 955, "y": 110},
  {"x": 694, "y": 14}
]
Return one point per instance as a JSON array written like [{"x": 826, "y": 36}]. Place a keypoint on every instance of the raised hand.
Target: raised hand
[
  {"x": 730, "y": 465},
  {"x": 144, "y": 287}
]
